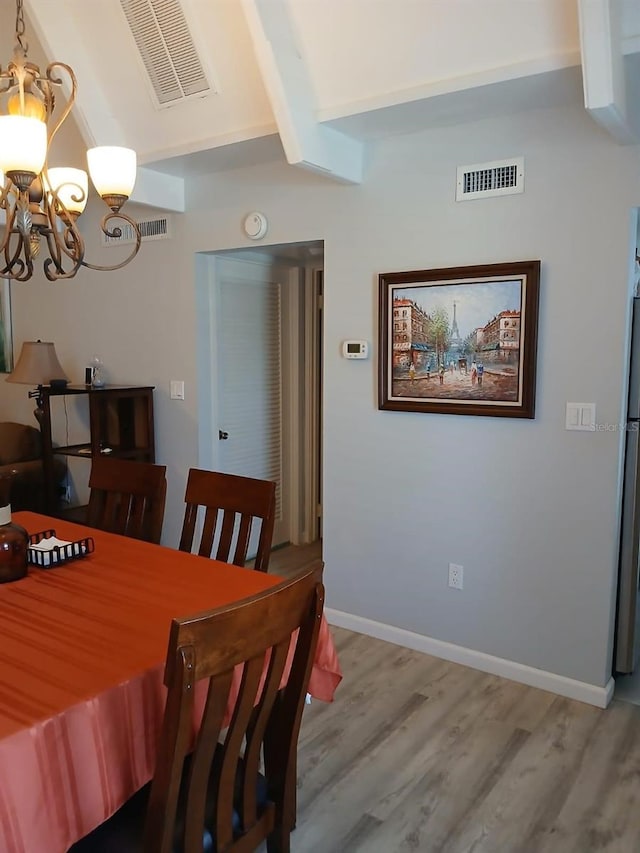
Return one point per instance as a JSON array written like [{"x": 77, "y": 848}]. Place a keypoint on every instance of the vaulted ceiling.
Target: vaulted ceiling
[{"x": 315, "y": 81}]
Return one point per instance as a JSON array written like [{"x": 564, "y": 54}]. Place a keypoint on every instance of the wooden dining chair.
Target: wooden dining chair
[
  {"x": 213, "y": 795},
  {"x": 127, "y": 497},
  {"x": 232, "y": 504}
]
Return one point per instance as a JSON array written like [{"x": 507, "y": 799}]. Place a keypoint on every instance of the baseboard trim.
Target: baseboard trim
[{"x": 569, "y": 687}]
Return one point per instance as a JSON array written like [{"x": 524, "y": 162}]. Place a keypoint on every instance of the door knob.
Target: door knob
[{"x": 222, "y": 436}]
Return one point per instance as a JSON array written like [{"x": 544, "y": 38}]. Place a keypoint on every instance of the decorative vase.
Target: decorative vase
[
  {"x": 97, "y": 367},
  {"x": 14, "y": 539}
]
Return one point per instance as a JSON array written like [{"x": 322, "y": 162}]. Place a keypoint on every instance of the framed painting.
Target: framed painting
[
  {"x": 6, "y": 338},
  {"x": 460, "y": 340}
]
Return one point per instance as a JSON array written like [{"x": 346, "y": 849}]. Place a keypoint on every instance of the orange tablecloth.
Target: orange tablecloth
[{"x": 81, "y": 695}]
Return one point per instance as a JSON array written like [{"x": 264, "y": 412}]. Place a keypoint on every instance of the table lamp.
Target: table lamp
[{"x": 37, "y": 365}]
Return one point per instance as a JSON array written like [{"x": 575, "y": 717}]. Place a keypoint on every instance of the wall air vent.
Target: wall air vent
[
  {"x": 167, "y": 50},
  {"x": 483, "y": 180},
  {"x": 150, "y": 229}
]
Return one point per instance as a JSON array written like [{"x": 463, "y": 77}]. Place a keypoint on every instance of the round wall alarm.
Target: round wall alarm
[{"x": 255, "y": 225}]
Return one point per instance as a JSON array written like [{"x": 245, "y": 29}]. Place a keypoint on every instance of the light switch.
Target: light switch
[
  {"x": 573, "y": 416},
  {"x": 581, "y": 416},
  {"x": 587, "y": 416},
  {"x": 177, "y": 389}
]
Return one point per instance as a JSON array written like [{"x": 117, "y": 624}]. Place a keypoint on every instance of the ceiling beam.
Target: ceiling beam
[
  {"x": 288, "y": 85},
  {"x": 155, "y": 189},
  {"x": 606, "y": 84}
]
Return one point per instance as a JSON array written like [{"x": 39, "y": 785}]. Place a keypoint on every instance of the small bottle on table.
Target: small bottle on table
[{"x": 14, "y": 539}]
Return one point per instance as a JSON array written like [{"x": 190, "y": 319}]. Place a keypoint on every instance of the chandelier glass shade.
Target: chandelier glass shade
[{"x": 41, "y": 204}]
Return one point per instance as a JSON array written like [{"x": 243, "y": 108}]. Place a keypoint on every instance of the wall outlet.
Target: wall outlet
[{"x": 456, "y": 576}]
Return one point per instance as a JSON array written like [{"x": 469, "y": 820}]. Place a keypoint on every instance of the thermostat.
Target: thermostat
[{"x": 355, "y": 349}]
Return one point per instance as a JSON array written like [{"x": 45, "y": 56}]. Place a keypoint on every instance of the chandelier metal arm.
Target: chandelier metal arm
[
  {"x": 43, "y": 204},
  {"x": 62, "y": 247},
  {"x": 57, "y": 81},
  {"x": 4, "y": 195},
  {"x": 9, "y": 77},
  {"x": 15, "y": 267},
  {"x": 60, "y": 273},
  {"x": 69, "y": 245},
  {"x": 117, "y": 232},
  {"x": 53, "y": 266}
]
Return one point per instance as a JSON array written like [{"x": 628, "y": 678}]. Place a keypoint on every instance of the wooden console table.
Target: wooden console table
[{"x": 120, "y": 424}]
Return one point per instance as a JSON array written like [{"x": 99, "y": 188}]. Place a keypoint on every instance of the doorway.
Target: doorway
[
  {"x": 260, "y": 375},
  {"x": 627, "y": 626}
]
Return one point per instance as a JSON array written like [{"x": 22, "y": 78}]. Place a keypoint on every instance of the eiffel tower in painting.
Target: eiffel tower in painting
[{"x": 455, "y": 341}]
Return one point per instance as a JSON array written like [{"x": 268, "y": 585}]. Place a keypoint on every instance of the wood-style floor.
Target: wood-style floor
[
  {"x": 418, "y": 754},
  {"x": 290, "y": 559}
]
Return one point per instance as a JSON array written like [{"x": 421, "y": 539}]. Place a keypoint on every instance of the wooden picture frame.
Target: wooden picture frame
[
  {"x": 459, "y": 340},
  {"x": 6, "y": 336}
]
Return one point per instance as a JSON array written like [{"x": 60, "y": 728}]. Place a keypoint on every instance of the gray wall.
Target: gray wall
[{"x": 529, "y": 509}]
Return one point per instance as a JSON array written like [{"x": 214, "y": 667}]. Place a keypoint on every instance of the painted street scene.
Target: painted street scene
[{"x": 457, "y": 341}]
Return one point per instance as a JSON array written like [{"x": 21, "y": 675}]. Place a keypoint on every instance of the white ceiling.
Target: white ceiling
[{"x": 290, "y": 72}]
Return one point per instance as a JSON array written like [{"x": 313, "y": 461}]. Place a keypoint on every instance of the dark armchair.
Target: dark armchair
[{"x": 21, "y": 455}]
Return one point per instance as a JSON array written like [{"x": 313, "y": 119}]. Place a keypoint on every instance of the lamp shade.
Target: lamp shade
[
  {"x": 70, "y": 185},
  {"x": 112, "y": 170},
  {"x": 37, "y": 365},
  {"x": 23, "y": 144}
]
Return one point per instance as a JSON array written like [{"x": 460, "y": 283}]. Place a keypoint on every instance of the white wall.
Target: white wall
[{"x": 530, "y": 510}]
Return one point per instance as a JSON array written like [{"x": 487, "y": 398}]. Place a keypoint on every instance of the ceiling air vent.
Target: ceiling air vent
[
  {"x": 483, "y": 180},
  {"x": 167, "y": 50},
  {"x": 150, "y": 229}
]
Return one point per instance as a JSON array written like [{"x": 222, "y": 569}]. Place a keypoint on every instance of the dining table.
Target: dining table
[{"x": 81, "y": 675}]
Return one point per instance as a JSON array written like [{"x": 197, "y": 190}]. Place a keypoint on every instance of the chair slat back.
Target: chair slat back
[
  {"x": 127, "y": 497},
  {"x": 222, "y": 781},
  {"x": 232, "y": 505}
]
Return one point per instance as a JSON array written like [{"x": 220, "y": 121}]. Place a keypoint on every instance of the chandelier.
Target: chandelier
[{"x": 42, "y": 204}]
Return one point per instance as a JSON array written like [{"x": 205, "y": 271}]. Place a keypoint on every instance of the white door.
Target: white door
[{"x": 249, "y": 378}]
